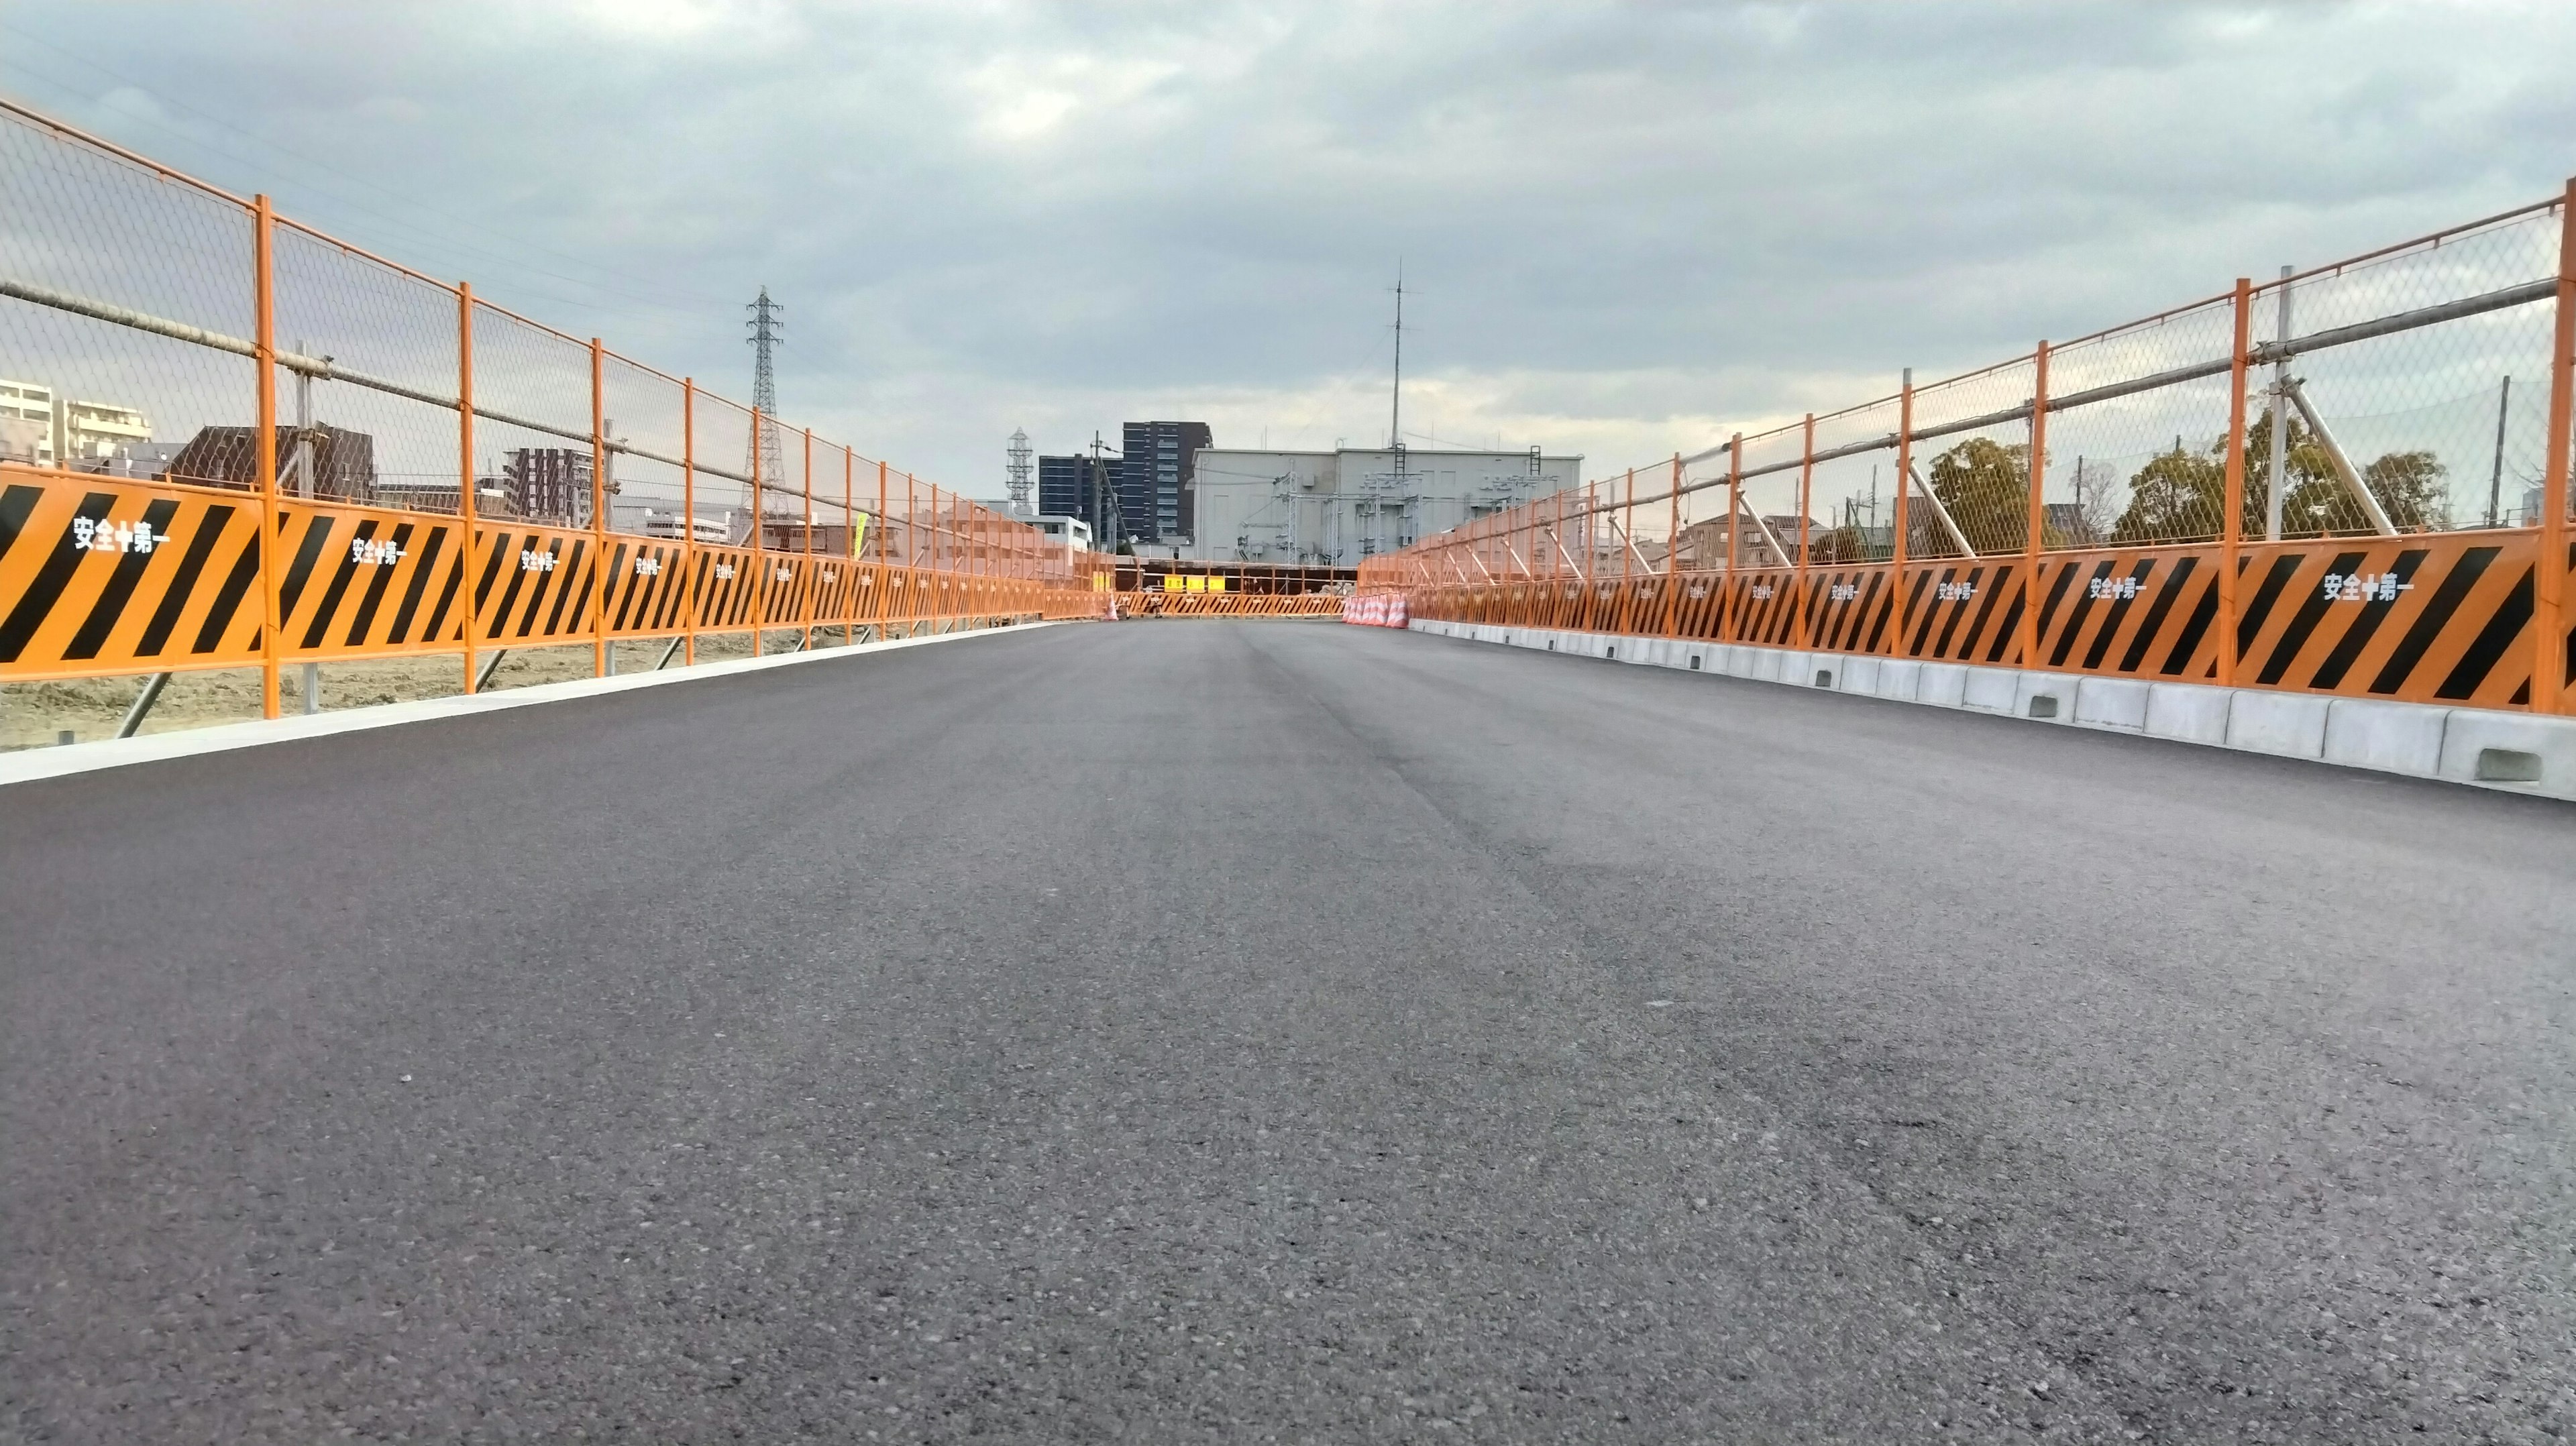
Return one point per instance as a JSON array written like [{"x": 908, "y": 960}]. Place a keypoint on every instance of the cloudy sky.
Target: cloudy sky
[{"x": 1625, "y": 229}]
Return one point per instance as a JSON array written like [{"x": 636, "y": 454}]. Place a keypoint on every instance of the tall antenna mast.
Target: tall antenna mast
[
  {"x": 1395, "y": 419},
  {"x": 765, "y": 458},
  {"x": 1019, "y": 472}
]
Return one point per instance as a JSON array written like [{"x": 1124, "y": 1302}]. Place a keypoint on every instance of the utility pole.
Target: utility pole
[
  {"x": 1395, "y": 416},
  {"x": 1109, "y": 520}
]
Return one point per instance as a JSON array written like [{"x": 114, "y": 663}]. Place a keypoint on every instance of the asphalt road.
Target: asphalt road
[{"x": 1238, "y": 1032}]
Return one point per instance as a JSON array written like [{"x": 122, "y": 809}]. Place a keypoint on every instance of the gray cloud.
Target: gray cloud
[{"x": 1630, "y": 225}]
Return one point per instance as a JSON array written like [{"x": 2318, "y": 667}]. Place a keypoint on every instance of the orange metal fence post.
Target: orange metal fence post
[
  {"x": 1728, "y": 623},
  {"x": 1900, "y": 598},
  {"x": 1542, "y": 596},
  {"x": 808, "y": 609},
  {"x": 881, "y": 606},
  {"x": 1541, "y": 608},
  {"x": 598, "y": 513},
  {"x": 1585, "y": 564},
  {"x": 2232, "y": 526},
  {"x": 1581, "y": 577},
  {"x": 2030, "y": 544},
  {"x": 689, "y": 518},
  {"x": 465, "y": 475},
  {"x": 1595, "y": 518},
  {"x": 2549, "y": 693},
  {"x": 1532, "y": 516},
  {"x": 1625, "y": 619},
  {"x": 759, "y": 551},
  {"x": 1673, "y": 555},
  {"x": 1806, "y": 489},
  {"x": 264, "y": 445},
  {"x": 849, "y": 547}
]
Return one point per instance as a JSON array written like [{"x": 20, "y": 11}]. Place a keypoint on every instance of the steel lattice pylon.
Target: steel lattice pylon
[{"x": 764, "y": 457}]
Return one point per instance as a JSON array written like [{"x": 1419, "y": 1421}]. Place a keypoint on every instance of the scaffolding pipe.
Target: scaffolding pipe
[
  {"x": 1948, "y": 524},
  {"x": 143, "y": 702},
  {"x": 2351, "y": 480},
  {"x": 1770, "y": 539}
]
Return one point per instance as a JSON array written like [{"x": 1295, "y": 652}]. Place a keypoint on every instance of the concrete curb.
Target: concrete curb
[
  {"x": 2508, "y": 752},
  {"x": 31, "y": 764}
]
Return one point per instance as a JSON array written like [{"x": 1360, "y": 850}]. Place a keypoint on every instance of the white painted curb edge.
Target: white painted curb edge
[
  {"x": 28, "y": 765},
  {"x": 2419, "y": 740}
]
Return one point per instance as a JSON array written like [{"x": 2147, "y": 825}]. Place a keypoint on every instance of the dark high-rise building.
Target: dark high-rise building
[
  {"x": 1145, "y": 494},
  {"x": 1071, "y": 487},
  {"x": 1154, "y": 487},
  {"x": 1060, "y": 486}
]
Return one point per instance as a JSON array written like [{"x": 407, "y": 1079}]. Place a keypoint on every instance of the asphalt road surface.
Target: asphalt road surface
[{"x": 1186, "y": 1031}]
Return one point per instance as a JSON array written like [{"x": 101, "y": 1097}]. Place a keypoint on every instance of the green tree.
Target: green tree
[
  {"x": 2412, "y": 488},
  {"x": 2177, "y": 496},
  {"x": 1986, "y": 486},
  {"x": 2409, "y": 486},
  {"x": 1836, "y": 544},
  {"x": 2180, "y": 495},
  {"x": 2312, "y": 497}
]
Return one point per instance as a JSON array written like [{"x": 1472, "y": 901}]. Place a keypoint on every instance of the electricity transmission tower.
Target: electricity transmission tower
[
  {"x": 1019, "y": 473},
  {"x": 764, "y": 457}
]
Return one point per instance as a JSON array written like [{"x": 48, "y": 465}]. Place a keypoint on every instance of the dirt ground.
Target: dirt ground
[{"x": 36, "y": 715}]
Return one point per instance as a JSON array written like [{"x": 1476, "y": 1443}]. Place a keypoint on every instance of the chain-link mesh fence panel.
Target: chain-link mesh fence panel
[
  {"x": 1854, "y": 490},
  {"x": 134, "y": 304},
  {"x": 114, "y": 279},
  {"x": 642, "y": 412},
  {"x": 2132, "y": 464},
  {"x": 2408, "y": 430}
]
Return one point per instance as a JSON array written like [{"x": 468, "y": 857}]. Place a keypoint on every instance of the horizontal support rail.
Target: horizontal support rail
[
  {"x": 2263, "y": 355},
  {"x": 325, "y": 369}
]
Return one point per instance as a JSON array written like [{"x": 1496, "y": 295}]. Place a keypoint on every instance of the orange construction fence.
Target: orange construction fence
[
  {"x": 2347, "y": 480},
  {"x": 229, "y": 440}
]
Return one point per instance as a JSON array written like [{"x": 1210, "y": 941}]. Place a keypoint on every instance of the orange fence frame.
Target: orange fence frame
[
  {"x": 2485, "y": 622},
  {"x": 89, "y": 618},
  {"x": 2549, "y": 691}
]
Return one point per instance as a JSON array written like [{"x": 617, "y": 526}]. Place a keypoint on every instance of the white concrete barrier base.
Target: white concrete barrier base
[{"x": 2509, "y": 752}]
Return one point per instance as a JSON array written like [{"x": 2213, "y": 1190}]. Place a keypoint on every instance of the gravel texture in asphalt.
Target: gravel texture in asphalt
[{"x": 1200, "y": 1031}]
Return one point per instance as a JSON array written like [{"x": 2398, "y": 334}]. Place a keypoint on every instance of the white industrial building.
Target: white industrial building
[
  {"x": 26, "y": 423},
  {"x": 1071, "y": 533},
  {"x": 44, "y": 429},
  {"x": 1335, "y": 508}
]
